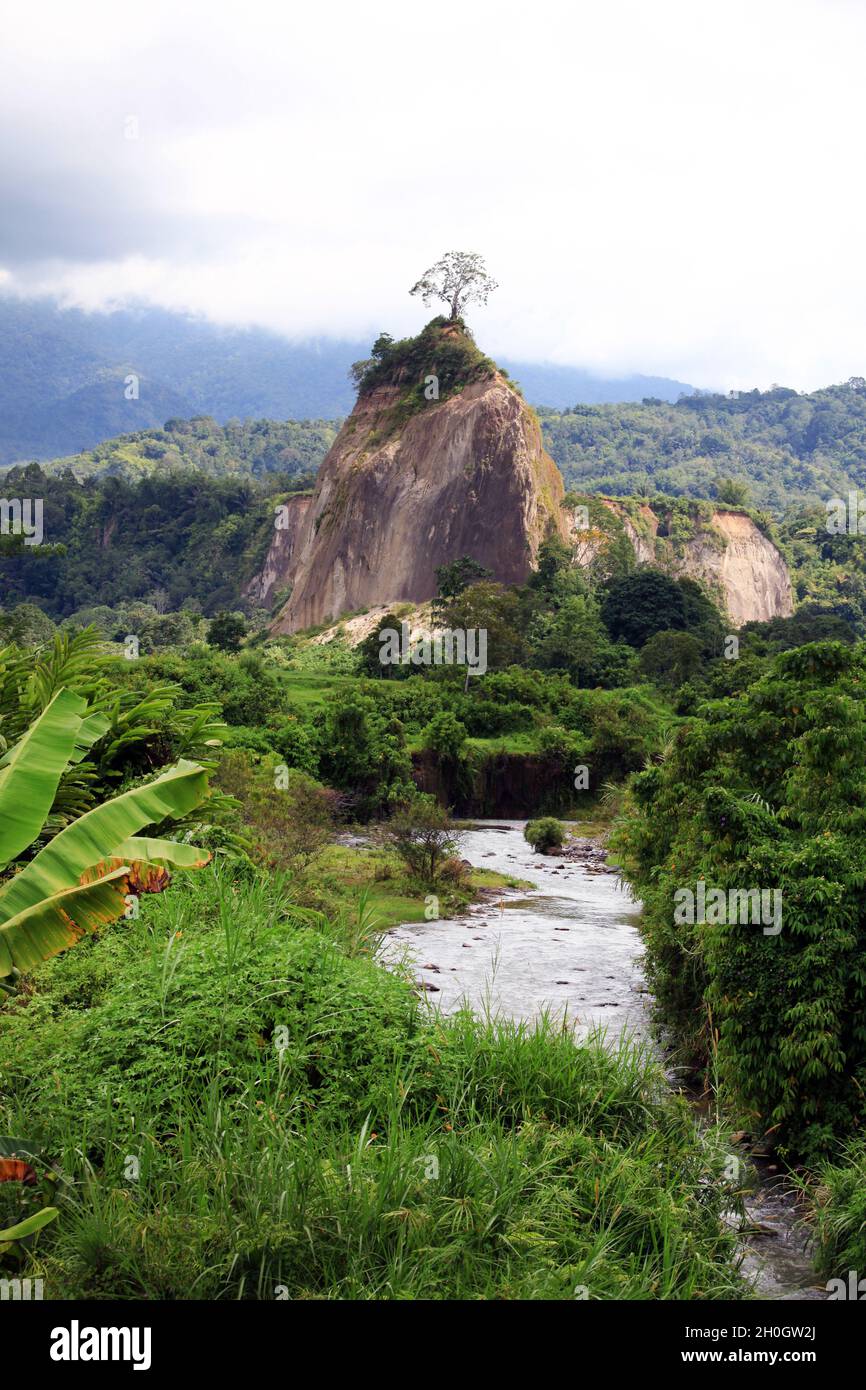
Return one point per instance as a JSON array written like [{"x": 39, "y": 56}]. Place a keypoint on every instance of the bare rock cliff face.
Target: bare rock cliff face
[
  {"x": 277, "y": 571},
  {"x": 728, "y": 553},
  {"x": 463, "y": 476},
  {"x": 749, "y": 570}
]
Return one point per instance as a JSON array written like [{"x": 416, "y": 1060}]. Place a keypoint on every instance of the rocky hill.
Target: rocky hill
[{"x": 410, "y": 484}]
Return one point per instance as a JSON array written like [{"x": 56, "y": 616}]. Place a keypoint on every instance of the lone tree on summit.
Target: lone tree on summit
[{"x": 459, "y": 278}]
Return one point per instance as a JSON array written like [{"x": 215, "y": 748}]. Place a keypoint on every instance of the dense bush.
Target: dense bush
[
  {"x": 289, "y": 816},
  {"x": 765, "y": 790},
  {"x": 363, "y": 752}
]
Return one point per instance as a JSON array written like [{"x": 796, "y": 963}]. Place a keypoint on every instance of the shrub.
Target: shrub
[
  {"x": 296, "y": 745},
  {"x": 445, "y": 736},
  {"x": 544, "y": 834},
  {"x": 290, "y": 815},
  {"x": 421, "y": 833}
]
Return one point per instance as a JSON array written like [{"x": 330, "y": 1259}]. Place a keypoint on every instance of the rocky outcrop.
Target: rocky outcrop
[
  {"x": 412, "y": 483},
  {"x": 749, "y": 570},
  {"x": 396, "y": 497},
  {"x": 723, "y": 549},
  {"x": 277, "y": 571}
]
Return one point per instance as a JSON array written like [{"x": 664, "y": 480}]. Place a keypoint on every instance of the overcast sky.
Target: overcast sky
[{"x": 667, "y": 187}]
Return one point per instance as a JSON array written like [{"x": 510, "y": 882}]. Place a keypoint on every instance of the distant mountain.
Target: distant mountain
[
  {"x": 64, "y": 376},
  {"x": 546, "y": 384}
]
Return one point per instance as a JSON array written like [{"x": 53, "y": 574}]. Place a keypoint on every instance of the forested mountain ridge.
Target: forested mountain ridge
[
  {"x": 251, "y": 449},
  {"x": 171, "y": 540},
  {"x": 789, "y": 448}
]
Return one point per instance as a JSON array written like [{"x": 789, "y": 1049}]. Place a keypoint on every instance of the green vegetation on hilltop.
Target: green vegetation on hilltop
[
  {"x": 444, "y": 349},
  {"x": 785, "y": 446},
  {"x": 292, "y": 448}
]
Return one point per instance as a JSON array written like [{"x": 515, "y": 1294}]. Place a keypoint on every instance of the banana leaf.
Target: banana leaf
[
  {"x": 94, "y": 837},
  {"x": 93, "y": 728},
  {"x": 138, "y": 848},
  {"x": 51, "y": 925},
  {"x": 29, "y": 1227},
  {"x": 32, "y": 771},
  {"x": 146, "y": 860}
]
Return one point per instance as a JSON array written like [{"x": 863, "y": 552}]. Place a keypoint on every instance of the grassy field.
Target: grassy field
[{"x": 307, "y": 690}]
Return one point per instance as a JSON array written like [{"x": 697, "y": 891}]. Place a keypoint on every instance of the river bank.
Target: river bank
[{"x": 570, "y": 947}]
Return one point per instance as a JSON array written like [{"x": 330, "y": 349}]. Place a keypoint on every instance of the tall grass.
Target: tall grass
[{"x": 244, "y": 1104}]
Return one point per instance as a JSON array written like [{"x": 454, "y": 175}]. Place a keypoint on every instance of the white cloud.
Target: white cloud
[{"x": 669, "y": 188}]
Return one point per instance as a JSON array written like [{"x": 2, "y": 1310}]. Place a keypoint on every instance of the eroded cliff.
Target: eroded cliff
[
  {"x": 722, "y": 548},
  {"x": 279, "y": 566},
  {"x": 411, "y": 484}
]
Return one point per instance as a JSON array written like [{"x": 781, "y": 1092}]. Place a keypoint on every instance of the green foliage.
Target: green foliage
[
  {"x": 288, "y": 815},
  {"x": 544, "y": 834},
  {"x": 445, "y": 736},
  {"x": 828, "y": 570},
  {"x": 764, "y": 789},
  {"x": 671, "y": 658},
  {"x": 254, "y": 449},
  {"x": 443, "y": 349},
  {"x": 247, "y": 689},
  {"x": 363, "y": 753},
  {"x": 147, "y": 724},
  {"x": 731, "y": 491},
  {"x": 452, "y": 579},
  {"x": 296, "y": 744},
  {"x": 369, "y": 652},
  {"x": 572, "y": 638},
  {"x": 641, "y": 604},
  {"x": 840, "y": 1212},
  {"x": 227, "y": 631},
  {"x": 83, "y": 876},
  {"x": 494, "y": 609},
  {"x": 785, "y": 446},
  {"x": 198, "y": 538},
  {"x": 274, "y": 1082}
]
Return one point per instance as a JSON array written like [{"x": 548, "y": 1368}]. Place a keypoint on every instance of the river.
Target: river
[{"x": 570, "y": 945}]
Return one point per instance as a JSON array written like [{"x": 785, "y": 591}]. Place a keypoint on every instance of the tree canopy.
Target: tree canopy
[{"x": 458, "y": 279}]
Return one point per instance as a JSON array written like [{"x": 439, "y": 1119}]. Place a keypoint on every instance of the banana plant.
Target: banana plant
[
  {"x": 15, "y": 1169},
  {"x": 26, "y": 1228},
  {"x": 82, "y": 877}
]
